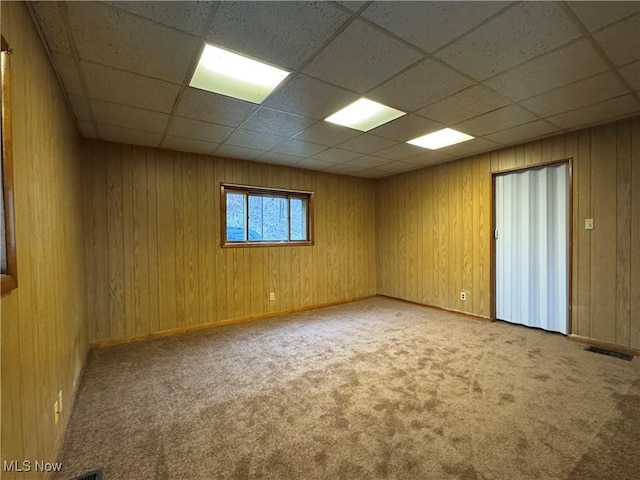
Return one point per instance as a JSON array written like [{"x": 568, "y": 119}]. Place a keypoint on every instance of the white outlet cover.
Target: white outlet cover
[{"x": 588, "y": 223}]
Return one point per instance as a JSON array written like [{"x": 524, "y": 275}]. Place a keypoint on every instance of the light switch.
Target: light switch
[{"x": 588, "y": 223}]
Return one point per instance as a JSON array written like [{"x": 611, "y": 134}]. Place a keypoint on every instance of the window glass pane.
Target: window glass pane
[
  {"x": 268, "y": 218},
  {"x": 236, "y": 217},
  {"x": 255, "y": 218},
  {"x": 298, "y": 219}
]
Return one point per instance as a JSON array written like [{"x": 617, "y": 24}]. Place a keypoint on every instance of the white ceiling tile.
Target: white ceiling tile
[
  {"x": 197, "y": 130},
  {"x": 214, "y": 108},
  {"x": 127, "y": 117},
  {"x": 372, "y": 173},
  {"x": 299, "y": 148},
  {"x": 496, "y": 120},
  {"x": 188, "y": 145},
  {"x": 576, "y": 95},
  {"x": 278, "y": 158},
  {"x": 87, "y": 129},
  {"x": 522, "y": 133},
  {"x": 351, "y": 5},
  {"x": 471, "y": 147},
  {"x": 279, "y": 123},
  {"x": 360, "y": 58},
  {"x": 398, "y": 167},
  {"x": 430, "y": 25},
  {"x": 421, "y": 85},
  {"x": 113, "y": 133},
  {"x": 51, "y": 21},
  {"x": 117, "y": 86},
  {"x": 80, "y": 107},
  {"x": 282, "y": 33},
  {"x": 609, "y": 109},
  {"x": 307, "y": 96},
  {"x": 189, "y": 17},
  {"x": 621, "y": 41},
  {"x": 367, "y": 143},
  {"x": 65, "y": 65},
  {"x": 256, "y": 140},
  {"x": 430, "y": 157},
  {"x": 336, "y": 155},
  {"x": 595, "y": 15},
  {"x": 344, "y": 169},
  {"x": 231, "y": 151},
  {"x": 326, "y": 133},
  {"x": 631, "y": 73},
  {"x": 406, "y": 127},
  {"x": 400, "y": 151},
  {"x": 521, "y": 33},
  {"x": 566, "y": 65},
  {"x": 463, "y": 105},
  {"x": 313, "y": 164},
  {"x": 116, "y": 38},
  {"x": 368, "y": 161}
]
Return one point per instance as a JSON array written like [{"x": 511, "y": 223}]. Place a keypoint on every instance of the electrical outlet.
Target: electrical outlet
[
  {"x": 588, "y": 223},
  {"x": 272, "y": 296},
  {"x": 463, "y": 295},
  {"x": 56, "y": 413},
  {"x": 60, "y": 401}
]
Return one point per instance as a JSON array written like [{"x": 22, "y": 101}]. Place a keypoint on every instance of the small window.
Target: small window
[
  {"x": 253, "y": 216},
  {"x": 8, "y": 247}
]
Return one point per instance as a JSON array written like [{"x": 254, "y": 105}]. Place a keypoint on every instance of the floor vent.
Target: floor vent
[
  {"x": 611, "y": 353},
  {"x": 93, "y": 475}
]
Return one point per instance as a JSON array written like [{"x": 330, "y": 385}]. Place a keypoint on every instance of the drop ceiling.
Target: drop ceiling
[{"x": 504, "y": 72}]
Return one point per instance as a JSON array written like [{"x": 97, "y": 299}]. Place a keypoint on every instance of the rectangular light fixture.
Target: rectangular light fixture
[
  {"x": 364, "y": 115},
  {"x": 233, "y": 75},
  {"x": 440, "y": 139}
]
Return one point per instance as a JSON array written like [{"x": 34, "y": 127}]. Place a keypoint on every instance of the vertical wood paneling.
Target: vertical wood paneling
[
  {"x": 456, "y": 218},
  {"x": 45, "y": 320},
  {"x": 115, "y": 238},
  {"x": 623, "y": 233},
  {"x": 191, "y": 241},
  {"x": 634, "y": 340},
  {"x": 128, "y": 240},
  {"x": 140, "y": 238},
  {"x": 179, "y": 290},
  {"x": 582, "y": 255},
  {"x": 166, "y": 244},
  {"x": 603, "y": 236},
  {"x": 152, "y": 243},
  {"x": 163, "y": 244},
  {"x": 466, "y": 240}
]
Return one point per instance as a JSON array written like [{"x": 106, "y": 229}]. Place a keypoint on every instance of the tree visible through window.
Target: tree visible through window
[{"x": 262, "y": 216}]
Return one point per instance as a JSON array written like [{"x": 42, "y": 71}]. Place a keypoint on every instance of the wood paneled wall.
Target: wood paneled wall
[
  {"x": 434, "y": 230},
  {"x": 153, "y": 242},
  {"x": 44, "y": 339}
]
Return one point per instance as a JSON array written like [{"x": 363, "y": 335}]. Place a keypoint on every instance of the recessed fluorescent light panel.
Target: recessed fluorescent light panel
[
  {"x": 233, "y": 75},
  {"x": 440, "y": 139},
  {"x": 364, "y": 115}
]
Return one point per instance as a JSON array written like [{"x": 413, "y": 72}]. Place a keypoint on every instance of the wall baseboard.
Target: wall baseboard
[
  {"x": 443, "y": 309},
  {"x": 204, "y": 326},
  {"x": 609, "y": 346}
]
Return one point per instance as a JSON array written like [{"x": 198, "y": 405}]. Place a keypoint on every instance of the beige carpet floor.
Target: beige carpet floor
[{"x": 376, "y": 389}]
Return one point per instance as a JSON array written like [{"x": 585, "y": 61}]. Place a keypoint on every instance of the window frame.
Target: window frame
[
  {"x": 9, "y": 280},
  {"x": 264, "y": 192}
]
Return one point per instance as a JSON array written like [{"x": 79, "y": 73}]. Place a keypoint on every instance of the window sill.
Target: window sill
[
  {"x": 9, "y": 283},
  {"x": 266, "y": 244}
]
